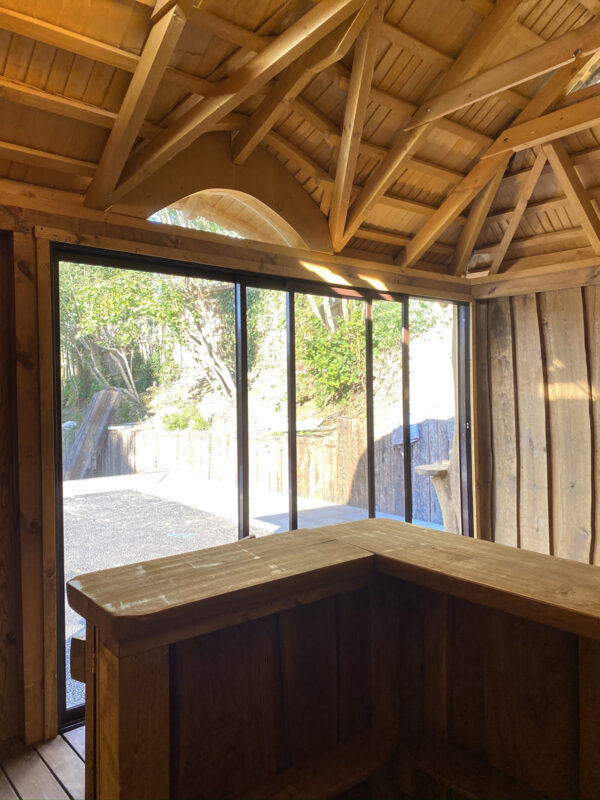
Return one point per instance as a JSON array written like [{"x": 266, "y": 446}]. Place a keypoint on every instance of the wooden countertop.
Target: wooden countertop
[
  {"x": 554, "y": 591},
  {"x": 220, "y": 586}
]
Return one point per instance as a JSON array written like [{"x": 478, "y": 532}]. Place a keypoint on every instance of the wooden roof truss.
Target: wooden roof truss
[{"x": 467, "y": 157}]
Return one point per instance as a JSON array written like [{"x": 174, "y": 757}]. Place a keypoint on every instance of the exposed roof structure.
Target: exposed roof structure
[{"x": 450, "y": 136}]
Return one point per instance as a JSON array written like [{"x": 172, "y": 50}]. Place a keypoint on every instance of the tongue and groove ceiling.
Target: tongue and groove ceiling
[{"x": 456, "y": 136}]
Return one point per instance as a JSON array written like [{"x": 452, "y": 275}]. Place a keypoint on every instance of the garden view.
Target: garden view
[{"x": 163, "y": 476}]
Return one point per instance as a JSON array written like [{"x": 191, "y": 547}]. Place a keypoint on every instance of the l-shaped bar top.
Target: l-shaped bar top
[{"x": 208, "y": 589}]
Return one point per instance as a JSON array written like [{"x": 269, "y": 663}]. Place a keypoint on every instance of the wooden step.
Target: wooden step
[
  {"x": 463, "y": 772},
  {"x": 329, "y": 774}
]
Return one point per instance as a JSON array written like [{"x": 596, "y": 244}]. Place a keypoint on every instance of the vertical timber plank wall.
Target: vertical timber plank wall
[
  {"x": 36, "y": 522},
  {"x": 30, "y": 520},
  {"x": 537, "y": 378},
  {"x": 11, "y": 711}
]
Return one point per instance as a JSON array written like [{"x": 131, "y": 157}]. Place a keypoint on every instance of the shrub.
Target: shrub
[{"x": 184, "y": 418}]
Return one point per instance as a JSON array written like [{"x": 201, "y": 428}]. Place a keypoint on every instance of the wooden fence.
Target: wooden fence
[{"x": 332, "y": 463}]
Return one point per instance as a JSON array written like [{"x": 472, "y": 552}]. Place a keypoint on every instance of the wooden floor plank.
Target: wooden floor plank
[
  {"x": 32, "y": 779},
  {"x": 65, "y": 764},
  {"x": 6, "y": 790},
  {"x": 76, "y": 738}
]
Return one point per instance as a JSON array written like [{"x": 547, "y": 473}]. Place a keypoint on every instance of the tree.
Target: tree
[
  {"x": 119, "y": 327},
  {"x": 113, "y": 322}
]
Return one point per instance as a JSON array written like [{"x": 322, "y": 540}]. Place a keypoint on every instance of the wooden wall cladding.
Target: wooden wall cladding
[
  {"x": 507, "y": 709},
  {"x": 258, "y": 699},
  {"x": 11, "y": 712},
  {"x": 438, "y": 698},
  {"x": 537, "y": 378}
]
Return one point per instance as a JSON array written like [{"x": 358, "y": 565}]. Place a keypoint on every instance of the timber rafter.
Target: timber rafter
[{"x": 480, "y": 155}]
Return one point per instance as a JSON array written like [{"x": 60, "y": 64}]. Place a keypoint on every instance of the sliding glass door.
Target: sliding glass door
[
  {"x": 147, "y": 420},
  {"x": 198, "y": 406}
]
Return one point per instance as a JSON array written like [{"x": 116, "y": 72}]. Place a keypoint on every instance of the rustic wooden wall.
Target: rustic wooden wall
[
  {"x": 494, "y": 705},
  {"x": 11, "y": 712},
  {"x": 271, "y": 693},
  {"x": 537, "y": 378}
]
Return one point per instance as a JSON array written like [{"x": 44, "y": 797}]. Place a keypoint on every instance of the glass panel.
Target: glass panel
[
  {"x": 331, "y": 410},
  {"x": 435, "y": 449},
  {"x": 267, "y": 411},
  {"x": 148, "y": 419},
  {"x": 387, "y": 409}
]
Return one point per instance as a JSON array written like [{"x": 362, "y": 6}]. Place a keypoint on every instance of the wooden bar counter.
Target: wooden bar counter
[{"x": 372, "y": 659}]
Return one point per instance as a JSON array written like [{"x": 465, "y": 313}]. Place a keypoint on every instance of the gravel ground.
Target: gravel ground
[{"x": 114, "y": 528}]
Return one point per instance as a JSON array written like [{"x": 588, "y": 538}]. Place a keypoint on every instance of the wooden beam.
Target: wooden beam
[
  {"x": 412, "y": 206},
  {"x": 158, "y": 51},
  {"x": 295, "y": 41},
  {"x": 576, "y": 268},
  {"x": 415, "y": 46},
  {"x": 73, "y": 42},
  {"x": 293, "y": 80},
  {"x": 23, "y": 94},
  {"x": 333, "y": 136},
  {"x": 40, "y": 158},
  {"x": 207, "y": 22},
  {"x": 357, "y": 100},
  {"x": 564, "y": 49},
  {"x": 397, "y": 239},
  {"x": 546, "y": 128},
  {"x": 467, "y": 64},
  {"x": 482, "y": 172},
  {"x": 429, "y": 55},
  {"x": 546, "y": 261},
  {"x": 485, "y": 7},
  {"x": 289, "y": 11},
  {"x": 524, "y": 195},
  {"x": 406, "y": 109},
  {"x": 537, "y": 240},
  {"x": 575, "y": 192},
  {"x": 324, "y": 179},
  {"x": 18, "y": 92},
  {"x": 200, "y": 247},
  {"x": 541, "y": 206},
  {"x": 437, "y": 171},
  {"x": 472, "y": 229}
]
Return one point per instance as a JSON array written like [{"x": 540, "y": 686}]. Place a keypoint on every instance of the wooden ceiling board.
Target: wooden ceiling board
[
  {"x": 379, "y": 128},
  {"x": 447, "y": 26},
  {"x": 306, "y": 136},
  {"x": 407, "y": 77},
  {"x": 50, "y": 132},
  {"x": 489, "y": 116},
  {"x": 246, "y": 15},
  {"x": 570, "y": 16},
  {"x": 412, "y": 186},
  {"x": 14, "y": 171}
]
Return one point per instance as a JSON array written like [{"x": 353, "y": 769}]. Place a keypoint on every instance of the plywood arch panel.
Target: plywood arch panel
[{"x": 207, "y": 166}]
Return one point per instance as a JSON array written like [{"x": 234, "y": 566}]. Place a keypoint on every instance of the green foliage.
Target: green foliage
[
  {"x": 168, "y": 371},
  {"x": 117, "y": 307},
  {"x": 123, "y": 328},
  {"x": 266, "y": 327},
  {"x": 331, "y": 362},
  {"x": 173, "y": 216},
  {"x": 424, "y": 315},
  {"x": 185, "y": 417}
]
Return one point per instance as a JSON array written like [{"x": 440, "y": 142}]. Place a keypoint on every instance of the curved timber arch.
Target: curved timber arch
[
  {"x": 262, "y": 183},
  {"x": 242, "y": 213}
]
